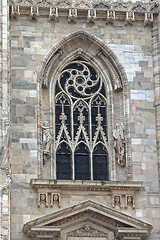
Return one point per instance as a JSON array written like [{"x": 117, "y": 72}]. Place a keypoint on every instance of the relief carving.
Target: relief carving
[
  {"x": 119, "y": 143},
  {"x": 130, "y": 201},
  {"x": 43, "y": 199},
  {"x": 55, "y": 199},
  {"x": 87, "y": 231},
  {"x": 15, "y": 13},
  {"x": 117, "y": 201},
  {"x": 82, "y": 5}
]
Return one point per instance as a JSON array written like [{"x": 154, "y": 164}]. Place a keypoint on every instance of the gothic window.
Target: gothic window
[{"x": 81, "y": 136}]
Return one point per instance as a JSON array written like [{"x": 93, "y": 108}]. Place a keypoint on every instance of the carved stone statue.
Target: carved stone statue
[
  {"x": 119, "y": 143},
  {"x": 46, "y": 138}
]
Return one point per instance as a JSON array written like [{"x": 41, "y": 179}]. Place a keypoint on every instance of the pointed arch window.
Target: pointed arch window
[{"x": 81, "y": 134}]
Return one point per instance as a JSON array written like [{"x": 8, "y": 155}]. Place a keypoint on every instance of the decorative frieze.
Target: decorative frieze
[{"x": 91, "y": 10}]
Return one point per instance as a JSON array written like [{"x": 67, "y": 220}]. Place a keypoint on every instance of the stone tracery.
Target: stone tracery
[{"x": 114, "y": 80}]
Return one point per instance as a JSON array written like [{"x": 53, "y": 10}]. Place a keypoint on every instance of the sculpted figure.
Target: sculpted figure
[
  {"x": 119, "y": 143},
  {"x": 46, "y": 138}
]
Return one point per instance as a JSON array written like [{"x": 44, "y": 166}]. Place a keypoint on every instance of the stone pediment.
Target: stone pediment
[{"x": 80, "y": 219}]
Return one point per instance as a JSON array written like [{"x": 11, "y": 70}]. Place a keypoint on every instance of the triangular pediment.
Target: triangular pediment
[{"x": 86, "y": 211}]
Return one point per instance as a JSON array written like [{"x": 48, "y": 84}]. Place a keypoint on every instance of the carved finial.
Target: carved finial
[
  {"x": 99, "y": 119},
  {"x": 63, "y": 118},
  {"x": 81, "y": 118}
]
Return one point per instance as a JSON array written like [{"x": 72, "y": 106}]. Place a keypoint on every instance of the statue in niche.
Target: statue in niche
[
  {"x": 46, "y": 138},
  {"x": 119, "y": 143}
]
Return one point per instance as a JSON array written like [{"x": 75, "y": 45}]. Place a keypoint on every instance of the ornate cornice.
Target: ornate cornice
[
  {"x": 91, "y": 10},
  {"x": 139, "y": 6},
  {"x": 78, "y": 185}
]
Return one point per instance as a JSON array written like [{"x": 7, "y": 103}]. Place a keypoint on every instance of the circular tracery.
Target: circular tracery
[{"x": 80, "y": 79}]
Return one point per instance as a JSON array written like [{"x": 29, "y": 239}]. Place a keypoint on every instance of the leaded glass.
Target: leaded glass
[{"x": 81, "y": 123}]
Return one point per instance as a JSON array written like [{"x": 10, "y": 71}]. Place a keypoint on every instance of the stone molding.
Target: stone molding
[
  {"x": 86, "y": 212},
  {"x": 105, "y": 58},
  {"x": 123, "y": 193},
  {"x": 139, "y": 7},
  {"x": 89, "y": 10},
  {"x": 78, "y": 185},
  {"x": 127, "y": 234}
]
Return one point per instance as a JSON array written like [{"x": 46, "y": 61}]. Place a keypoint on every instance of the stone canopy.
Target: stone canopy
[{"x": 87, "y": 219}]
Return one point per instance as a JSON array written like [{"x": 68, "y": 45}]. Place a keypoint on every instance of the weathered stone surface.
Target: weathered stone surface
[{"x": 24, "y": 46}]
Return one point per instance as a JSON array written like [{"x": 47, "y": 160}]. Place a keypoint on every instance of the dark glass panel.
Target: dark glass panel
[
  {"x": 82, "y": 165},
  {"x": 63, "y": 162},
  {"x": 100, "y": 163}
]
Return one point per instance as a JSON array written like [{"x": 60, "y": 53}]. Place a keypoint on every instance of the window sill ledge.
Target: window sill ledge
[{"x": 86, "y": 185}]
